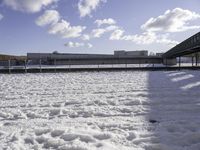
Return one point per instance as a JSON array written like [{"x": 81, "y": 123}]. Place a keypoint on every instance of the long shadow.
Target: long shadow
[{"x": 174, "y": 110}]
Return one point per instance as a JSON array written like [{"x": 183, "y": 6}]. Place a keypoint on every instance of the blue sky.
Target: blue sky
[{"x": 95, "y": 26}]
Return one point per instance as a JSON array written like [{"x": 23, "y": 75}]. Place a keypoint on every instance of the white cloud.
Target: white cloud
[
  {"x": 117, "y": 35},
  {"x": 111, "y": 28},
  {"x": 154, "y": 29},
  {"x": 175, "y": 20},
  {"x": 164, "y": 39},
  {"x": 65, "y": 30},
  {"x": 86, "y": 6},
  {"x": 1, "y": 16},
  {"x": 30, "y": 6},
  {"x": 49, "y": 17},
  {"x": 89, "y": 45},
  {"x": 97, "y": 33},
  {"x": 59, "y": 26},
  {"x": 77, "y": 45},
  {"x": 85, "y": 37},
  {"x": 144, "y": 38},
  {"x": 108, "y": 21}
]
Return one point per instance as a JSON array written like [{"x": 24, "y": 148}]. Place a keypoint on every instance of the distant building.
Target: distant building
[
  {"x": 159, "y": 54},
  {"x": 131, "y": 53},
  {"x": 119, "y": 57},
  {"x": 61, "y": 58}
]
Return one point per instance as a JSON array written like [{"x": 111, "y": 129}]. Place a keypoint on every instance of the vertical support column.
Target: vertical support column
[
  {"x": 55, "y": 64},
  {"x": 192, "y": 61},
  {"x": 9, "y": 69},
  {"x": 196, "y": 59},
  {"x": 25, "y": 66},
  {"x": 69, "y": 64},
  {"x": 40, "y": 65},
  {"x": 139, "y": 63},
  {"x": 179, "y": 62}
]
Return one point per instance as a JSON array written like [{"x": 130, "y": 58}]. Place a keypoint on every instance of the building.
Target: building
[
  {"x": 62, "y": 58},
  {"x": 119, "y": 57},
  {"x": 131, "y": 53},
  {"x": 159, "y": 54}
]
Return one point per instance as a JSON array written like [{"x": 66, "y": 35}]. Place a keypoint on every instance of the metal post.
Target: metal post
[
  {"x": 69, "y": 64},
  {"x": 25, "y": 66},
  {"x": 139, "y": 63},
  {"x": 55, "y": 64},
  {"x": 179, "y": 62},
  {"x": 9, "y": 69},
  {"x": 192, "y": 61},
  {"x": 40, "y": 66},
  {"x": 196, "y": 59}
]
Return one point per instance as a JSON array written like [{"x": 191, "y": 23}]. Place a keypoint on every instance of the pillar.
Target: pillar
[
  {"x": 25, "y": 66},
  {"x": 192, "y": 61},
  {"x": 196, "y": 59},
  {"x": 9, "y": 69},
  {"x": 40, "y": 66},
  {"x": 179, "y": 61},
  {"x": 55, "y": 64}
]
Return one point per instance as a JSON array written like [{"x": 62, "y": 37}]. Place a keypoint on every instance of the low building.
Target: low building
[
  {"x": 159, "y": 54},
  {"x": 131, "y": 53},
  {"x": 119, "y": 57}
]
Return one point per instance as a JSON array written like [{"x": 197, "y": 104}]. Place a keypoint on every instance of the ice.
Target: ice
[
  {"x": 102, "y": 136},
  {"x": 53, "y": 143},
  {"x": 5, "y": 115},
  {"x": 131, "y": 136},
  {"x": 41, "y": 139},
  {"x": 39, "y": 132},
  {"x": 54, "y": 112},
  {"x": 29, "y": 140},
  {"x": 57, "y": 133},
  {"x": 69, "y": 137},
  {"x": 130, "y": 110}
]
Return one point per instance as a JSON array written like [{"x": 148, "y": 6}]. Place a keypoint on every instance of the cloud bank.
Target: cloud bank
[
  {"x": 77, "y": 45},
  {"x": 87, "y": 6},
  {"x": 58, "y": 26},
  {"x": 108, "y": 21},
  {"x": 30, "y": 6},
  {"x": 49, "y": 17},
  {"x": 156, "y": 30},
  {"x": 176, "y": 20}
]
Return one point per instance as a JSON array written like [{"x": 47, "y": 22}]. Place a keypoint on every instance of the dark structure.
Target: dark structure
[{"x": 189, "y": 46}]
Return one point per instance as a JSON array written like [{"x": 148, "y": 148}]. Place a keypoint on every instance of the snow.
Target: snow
[{"x": 129, "y": 110}]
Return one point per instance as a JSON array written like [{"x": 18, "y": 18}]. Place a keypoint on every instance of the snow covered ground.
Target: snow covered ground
[{"x": 100, "y": 111}]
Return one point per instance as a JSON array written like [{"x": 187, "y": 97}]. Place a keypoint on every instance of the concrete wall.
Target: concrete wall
[
  {"x": 108, "y": 61},
  {"x": 169, "y": 61},
  {"x": 12, "y": 63},
  {"x": 46, "y": 56},
  {"x": 89, "y": 59},
  {"x": 131, "y": 53}
]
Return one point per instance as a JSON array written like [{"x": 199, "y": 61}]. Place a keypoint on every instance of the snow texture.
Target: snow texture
[{"x": 100, "y": 111}]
